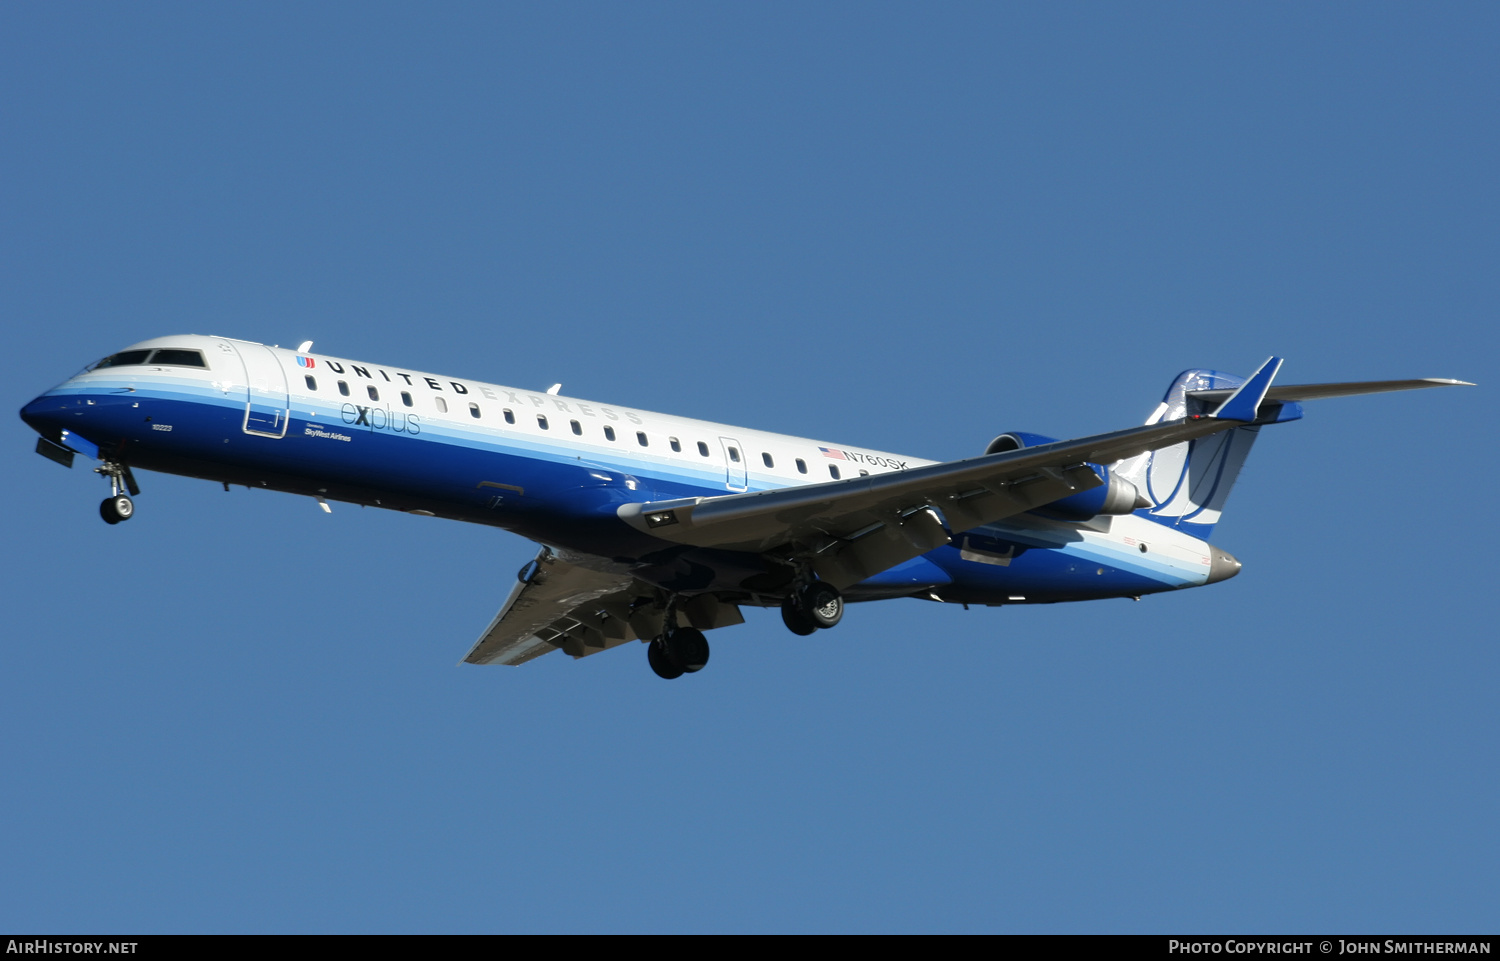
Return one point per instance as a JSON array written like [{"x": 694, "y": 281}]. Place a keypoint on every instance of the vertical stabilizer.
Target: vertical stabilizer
[{"x": 1188, "y": 483}]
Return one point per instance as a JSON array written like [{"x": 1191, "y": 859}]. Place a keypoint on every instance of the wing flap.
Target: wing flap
[{"x": 558, "y": 606}]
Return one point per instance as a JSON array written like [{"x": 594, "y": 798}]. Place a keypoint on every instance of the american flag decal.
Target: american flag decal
[{"x": 835, "y": 454}]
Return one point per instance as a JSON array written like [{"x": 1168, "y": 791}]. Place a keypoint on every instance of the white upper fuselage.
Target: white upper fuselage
[{"x": 332, "y": 404}]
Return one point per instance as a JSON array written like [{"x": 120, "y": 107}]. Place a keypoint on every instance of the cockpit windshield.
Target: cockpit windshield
[
  {"x": 125, "y": 358},
  {"x": 174, "y": 357},
  {"x": 162, "y": 357}
]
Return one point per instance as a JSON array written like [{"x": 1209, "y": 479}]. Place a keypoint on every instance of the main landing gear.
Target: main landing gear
[
  {"x": 814, "y": 606},
  {"x": 118, "y": 506},
  {"x": 684, "y": 650},
  {"x": 679, "y": 651}
]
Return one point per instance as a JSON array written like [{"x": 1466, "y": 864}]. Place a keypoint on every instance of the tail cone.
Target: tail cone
[{"x": 1223, "y": 566}]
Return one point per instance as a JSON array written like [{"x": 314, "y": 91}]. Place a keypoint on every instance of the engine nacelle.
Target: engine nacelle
[
  {"x": 1115, "y": 496},
  {"x": 1017, "y": 439}
]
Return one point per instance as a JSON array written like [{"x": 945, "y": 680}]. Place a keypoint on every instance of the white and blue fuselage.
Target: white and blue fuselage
[{"x": 557, "y": 469}]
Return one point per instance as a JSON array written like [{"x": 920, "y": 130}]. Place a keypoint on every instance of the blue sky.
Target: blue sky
[{"x": 908, "y": 227}]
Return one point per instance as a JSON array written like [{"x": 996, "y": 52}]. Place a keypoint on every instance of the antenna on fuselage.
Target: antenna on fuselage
[
  {"x": 554, "y": 388},
  {"x": 304, "y": 347}
]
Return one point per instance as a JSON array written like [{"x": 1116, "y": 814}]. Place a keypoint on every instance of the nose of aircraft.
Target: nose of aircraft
[{"x": 44, "y": 415}]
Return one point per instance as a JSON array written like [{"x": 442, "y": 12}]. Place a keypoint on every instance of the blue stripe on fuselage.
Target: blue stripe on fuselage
[{"x": 559, "y": 492}]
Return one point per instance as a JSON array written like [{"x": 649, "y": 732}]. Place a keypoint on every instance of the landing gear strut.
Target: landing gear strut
[
  {"x": 679, "y": 651},
  {"x": 117, "y": 506},
  {"x": 817, "y": 605}
]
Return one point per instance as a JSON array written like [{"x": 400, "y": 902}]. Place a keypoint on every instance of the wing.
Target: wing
[
  {"x": 558, "y": 606},
  {"x": 582, "y": 612},
  {"x": 852, "y": 529}
]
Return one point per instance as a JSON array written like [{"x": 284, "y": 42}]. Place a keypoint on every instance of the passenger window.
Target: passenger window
[
  {"x": 442, "y": 405},
  {"x": 609, "y": 433},
  {"x": 312, "y": 382},
  {"x": 510, "y": 416},
  {"x": 703, "y": 448},
  {"x": 344, "y": 388},
  {"x": 640, "y": 437},
  {"x": 801, "y": 466},
  {"x": 406, "y": 398},
  {"x": 676, "y": 444},
  {"x": 125, "y": 358},
  {"x": 541, "y": 421},
  {"x": 577, "y": 427},
  {"x": 178, "y": 358},
  {"x": 766, "y": 459},
  {"x": 734, "y": 455},
  {"x": 833, "y": 471},
  {"x": 473, "y": 409},
  {"x": 374, "y": 394}
]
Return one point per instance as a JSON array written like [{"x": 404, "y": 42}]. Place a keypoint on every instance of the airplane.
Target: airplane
[{"x": 659, "y": 528}]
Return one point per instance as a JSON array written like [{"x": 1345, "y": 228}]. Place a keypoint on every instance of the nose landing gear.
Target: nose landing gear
[
  {"x": 117, "y": 506},
  {"x": 116, "y": 509}
]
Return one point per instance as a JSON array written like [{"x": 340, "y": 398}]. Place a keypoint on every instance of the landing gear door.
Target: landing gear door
[
  {"x": 266, "y": 407},
  {"x": 734, "y": 464}
]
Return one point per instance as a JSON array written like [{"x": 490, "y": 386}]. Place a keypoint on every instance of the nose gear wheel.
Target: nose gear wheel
[
  {"x": 116, "y": 509},
  {"x": 117, "y": 506}
]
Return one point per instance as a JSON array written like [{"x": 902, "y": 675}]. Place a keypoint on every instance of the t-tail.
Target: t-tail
[{"x": 1189, "y": 483}]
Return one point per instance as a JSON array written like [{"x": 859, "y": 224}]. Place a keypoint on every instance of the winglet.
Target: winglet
[{"x": 1244, "y": 404}]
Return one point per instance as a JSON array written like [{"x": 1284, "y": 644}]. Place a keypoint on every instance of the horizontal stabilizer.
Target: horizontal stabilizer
[
  {"x": 1244, "y": 402},
  {"x": 1298, "y": 392}
]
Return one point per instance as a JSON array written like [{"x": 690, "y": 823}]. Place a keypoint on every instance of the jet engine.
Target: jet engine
[{"x": 1115, "y": 496}]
